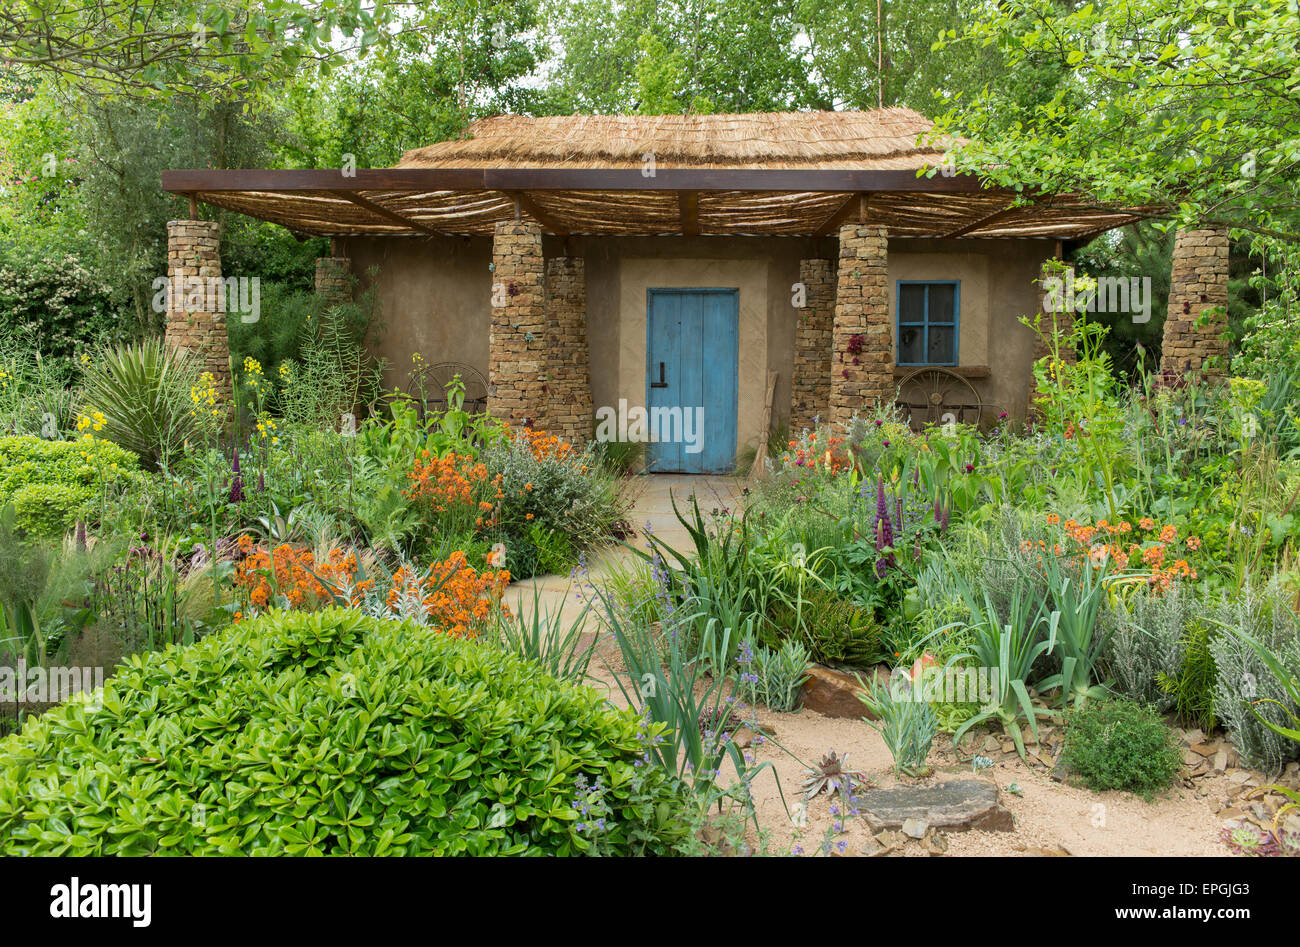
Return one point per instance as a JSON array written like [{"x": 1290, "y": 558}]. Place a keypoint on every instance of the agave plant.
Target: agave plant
[
  {"x": 831, "y": 775},
  {"x": 143, "y": 390}
]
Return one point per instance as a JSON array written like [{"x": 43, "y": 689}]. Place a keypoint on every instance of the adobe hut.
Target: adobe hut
[{"x": 774, "y": 266}]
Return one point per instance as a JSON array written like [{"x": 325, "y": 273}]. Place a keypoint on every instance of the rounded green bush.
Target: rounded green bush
[
  {"x": 1119, "y": 744},
  {"x": 50, "y": 482},
  {"x": 334, "y": 733}
]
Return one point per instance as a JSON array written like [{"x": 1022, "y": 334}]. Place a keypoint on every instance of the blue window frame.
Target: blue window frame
[{"x": 929, "y": 314}]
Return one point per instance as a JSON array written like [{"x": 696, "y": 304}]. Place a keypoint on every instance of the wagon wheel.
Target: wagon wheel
[
  {"x": 937, "y": 396},
  {"x": 429, "y": 383}
]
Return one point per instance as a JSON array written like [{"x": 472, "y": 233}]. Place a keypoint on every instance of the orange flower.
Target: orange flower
[
  {"x": 1168, "y": 533},
  {"x": 1052, "y": 519}
]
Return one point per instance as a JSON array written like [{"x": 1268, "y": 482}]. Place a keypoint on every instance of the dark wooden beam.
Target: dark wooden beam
[
  {"x": 529, "y": 206},
  {"x": 688, "y": 207},
  {"x": 981, "y": 223},
  {"x": 841, "y": 213},
  {"x": 384, "y": 212},
  {"x": 569, "y": 179}
]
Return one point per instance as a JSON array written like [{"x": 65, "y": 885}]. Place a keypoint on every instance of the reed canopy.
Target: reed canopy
[{"x": 777, "y": 174}]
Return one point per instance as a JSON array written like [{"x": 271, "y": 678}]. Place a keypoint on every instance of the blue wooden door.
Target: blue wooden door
[{"x": 692, "y": 348}]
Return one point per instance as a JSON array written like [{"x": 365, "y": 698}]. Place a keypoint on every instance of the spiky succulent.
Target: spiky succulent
[{"x": 832, "y": 775}]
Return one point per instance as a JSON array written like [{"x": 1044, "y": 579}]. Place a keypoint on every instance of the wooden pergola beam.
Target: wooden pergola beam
[
  {"x": 824, "y": 180},
  {"x": 384, "y": 212},
  {"x": 688, "y": 207},
  {"x": 529, "y": 207},
  {"x": 851, "y": 205}
]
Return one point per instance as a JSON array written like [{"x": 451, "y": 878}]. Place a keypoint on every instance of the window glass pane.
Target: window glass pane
[
  {"x": 941, "y": 344},
  {"x": 911, "y": 304},
  {"x": 910, "y": 343},
  {"x": 943, "y": 297}
]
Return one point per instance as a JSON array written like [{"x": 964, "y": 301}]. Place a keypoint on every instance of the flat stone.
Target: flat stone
[
  {"x": 1220, "y": 761},
  {"x": 1203, "y": 749},
  {"x": 953, "y": 806},
  {"x": 915, "y": 828},
  {"x": 833, "y": 694}
]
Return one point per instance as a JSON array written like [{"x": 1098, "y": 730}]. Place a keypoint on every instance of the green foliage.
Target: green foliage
[
  {"x": 772, "y": 676},
  {"x": 143, "y": 391},
  {"x": 1250, "y": 699},
  {"x": 836, "y": 632},
  {"x": 544, "y": 637},
  {"x": 1119, "y": 744},
  {"x": 1012, "y": 645},
  {"x": 53, "y": 303},
  {"x": 1191, "y": 688},
  {"x": 442, "y": 746},
  {"x": 52, "y": 483},
  {"x": 904, "y": 719},
  {"x": 1145, "y": 642},
  {"x": 35, "y": 397}
]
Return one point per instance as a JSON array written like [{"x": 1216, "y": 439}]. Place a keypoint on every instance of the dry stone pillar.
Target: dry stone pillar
[
  {"x": 862, "y": 340},
  {"x": 1198, "y": 304},
  {"x": 568, "y": 381},
  {"x": 196, "y": 322},
  {"x": 333, "y": 278},
  {"x": 517, "y": 336},
  {"x": 810, "y": 391}
]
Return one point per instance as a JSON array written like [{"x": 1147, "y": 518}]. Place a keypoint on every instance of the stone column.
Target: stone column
[
  {"x": 810, "y": 390},
  {"x": 862, "y": 339},
  {"x": 517, "y": 336},
  {"x": 333, "y": 278},
  {"x": 1198, "y": 305},
  {"x": 195, "y": 321},
  {"x": 568, "y": 379}
]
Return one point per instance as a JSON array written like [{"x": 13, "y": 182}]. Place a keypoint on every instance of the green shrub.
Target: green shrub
[
  {"x": 50, "y": 482},
  {"x": 1119, "y": 744},
  {"x": 836, "y": 632},
  {"x": 53, "y": 302},
  {"x": 332, "y": 733}
]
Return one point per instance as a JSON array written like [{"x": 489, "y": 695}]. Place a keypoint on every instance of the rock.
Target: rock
[
  {"x": 915, "y": 828},
  {"x": 937, "y": 843},
  {"x": 991, "y": 743},
  {"x": 1291, "y": 824},
  {"x": 1190, "y": 758},
  {"x": 954, "y": 806},
  {"x": 1045, "y": 852},
  {"x": 1194, "y": 737},
  {"x": 1239, "y": 777},
  {"x": 1201, "y": 749},
  {"x": 1008, "y": 746},
  {"x": 833, "y": 694},
  {"x": 1220, "y": 761},
  {"x": 743, "y": 739}
]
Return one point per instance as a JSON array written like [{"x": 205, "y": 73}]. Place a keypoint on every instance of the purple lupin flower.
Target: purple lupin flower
[
  {"x": 884, "y": 530},
  {"x": 237, "y": 483}
]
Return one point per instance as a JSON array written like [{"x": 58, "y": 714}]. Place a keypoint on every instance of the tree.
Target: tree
[
  {"x": 1191, "y": 106},
  {"x": 164, "y": 47}
]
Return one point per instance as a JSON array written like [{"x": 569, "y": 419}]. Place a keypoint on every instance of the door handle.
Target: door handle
[{"x": 660, "y": 383}]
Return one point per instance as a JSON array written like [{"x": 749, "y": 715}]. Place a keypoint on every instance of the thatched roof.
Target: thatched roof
[
  {"x": 885, "y": 139},
  {"x": 781, "y": 174}
]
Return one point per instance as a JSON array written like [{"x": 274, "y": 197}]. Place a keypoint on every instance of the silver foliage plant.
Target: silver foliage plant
[
  {"x": 1244, "y": 685},
  {"x": 1145, "y": 638}
]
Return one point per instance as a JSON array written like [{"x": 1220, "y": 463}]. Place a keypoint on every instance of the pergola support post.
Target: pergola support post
[
  {"x": 1198, "y": 305},
  {"x": 862, "y": 339},
  {"x": 810, "y": 390},
  {"x": 568, "y": 379},
  {"x": 334, "y": 279},
  {"x": 517, "y": 335},
  {"x": 196, "y": 320}
]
